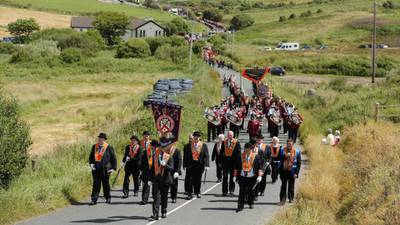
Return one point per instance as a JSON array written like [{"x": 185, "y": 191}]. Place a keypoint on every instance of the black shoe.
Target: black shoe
[
  {"x": 135, "y": 194},
  {"x": 93, "y": 203},
  {"x": 164, "y": 215},
  {"x": 154, "y": 217},
  {"x": 198, "y": 195},
  {"x": 261, "y": 193},
  {"x": 174, "y": 200},
  {"x": 282, "y": 203},
  {"x": 231, "y": 193},
  {"x": 125, "y": 196},
  {"x": 239, "y": 209},
  {"x": 143, "y": 203},
  {"x": 290, "y": 200},
  {"x": 251, "y": 206},
  {"x": 224, "y": 194},
  {"x": 108, "y": 201},
  {"x": 189, "y": 197},
  {"x": 255, "y": 199},
  {"x": 219, "y": 181}
]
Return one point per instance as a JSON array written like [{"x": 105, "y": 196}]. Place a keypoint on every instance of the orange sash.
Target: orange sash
[
  {"x": 289, "y": 159},
  {"x": 133, "y": 152},
  {"x": 247, "y": 164},
  {"x": 274, "y": 152},
  {"x": 158, "y": 169},
  {"x": 143, "y": 144},
  {"x": 229, "y": 149},
  {"x": 150, "y": 157},
  {"x": 196, "y": 152},
  {"x": 98, "y": 156}
]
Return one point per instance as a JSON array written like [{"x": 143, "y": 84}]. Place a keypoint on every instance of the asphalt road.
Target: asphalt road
[{"x": 211, "y": 209}]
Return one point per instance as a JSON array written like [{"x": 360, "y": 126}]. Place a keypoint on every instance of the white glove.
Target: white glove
[
  {"x": 127, "y": 159},
  {"x": 92, "y": 167},
  {"x": 149, "y": 183},
  {"x": 259, "y": 178},
  {"x": 176, "y": 175},
  {"x": 207, "y": 168},
  {"x": 110, "y": 171},
  {"x": 163, "y": 163}
]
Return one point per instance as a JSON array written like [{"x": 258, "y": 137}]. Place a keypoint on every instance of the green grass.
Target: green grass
[{"x": 87, "y": 7}]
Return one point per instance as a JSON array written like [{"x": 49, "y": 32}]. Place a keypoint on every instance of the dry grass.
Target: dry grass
[{"x": 45, "y": 19}]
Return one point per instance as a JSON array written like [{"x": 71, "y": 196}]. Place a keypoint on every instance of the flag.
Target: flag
[
  {"x": 255, "y": 74},
  {"x": 167, "y": 118}
]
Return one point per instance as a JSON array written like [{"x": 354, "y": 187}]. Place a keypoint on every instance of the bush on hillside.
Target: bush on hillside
[
  {"x": 174, "y": 54},
  {"x": 155, "y": 42},
  {"x": 282, "y": 18},
  {"x": 292, "y": 16},
  {"x": 14, "y": 141},
  {"x": 198, "y": 46},
  {"x": 175, "y": 26},
  {"x": 7, "y": 48},
  {"x": 241, "y": 21},
  {"x": 134, "y": 48},
  {"x": 71, "y": 55},
  {"x": 388, "y": 5},
  {"x": 22, "y": 29},
  {"x": 212, "y": 14},
  {"x": 38, "y": 51}
]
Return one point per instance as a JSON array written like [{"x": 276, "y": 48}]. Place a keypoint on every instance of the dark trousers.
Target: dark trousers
[
  {"x": 293, "y": 134},
  {"x": 212, "y": 132},
  {"x": 274, "y": 171},
  {"x": 225, "y": 185},
  {"x": 219, "y": 172},
  {"x": 160, "y": 196},
  {"x": 285, "y": 127},
  {"x": 196, "y": 172},
  {"x": 187, "y": 180},
  {"x": 246, "y": 185},
  {"x": 261, "y": 186},
  {"x": 287, "y": 185},
  {"x": 145, "y": 191},
  {"x": 221, "y": 128},
  {"x": 135, "y": 175},
  {"x": 274, "y": 131},
  {"x": 234, "y": 129},
  {"x": 174, "y": 188},
  {"x": 100, "y": 178}
]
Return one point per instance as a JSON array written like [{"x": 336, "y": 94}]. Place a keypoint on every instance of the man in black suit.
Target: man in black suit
[
  {"x": 217, "y": 156},
  {"x": 103, "y": 162},
  {"x": 132, "y": 159}
]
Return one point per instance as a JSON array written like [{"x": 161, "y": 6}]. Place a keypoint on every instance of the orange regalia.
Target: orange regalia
[
  {"x": 133, "y": 150},
  {"x": 274, "y": 151},
  {"x": 158, "y": 168},
  {"x": 196, "y": 151},
  {"x": 229, "y": 148},
  {"x": 289, "y": 158},
  {"x": 98, "y": 155}
]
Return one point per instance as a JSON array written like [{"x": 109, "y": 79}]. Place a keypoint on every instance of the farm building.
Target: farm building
[{"x": 137, "y": 28}]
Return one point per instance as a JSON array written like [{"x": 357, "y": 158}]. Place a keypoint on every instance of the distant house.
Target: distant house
[{"x": 137, "y": 28}]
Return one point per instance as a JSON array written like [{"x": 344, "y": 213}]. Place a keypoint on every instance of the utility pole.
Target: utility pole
[
  {"x": 191, "y": 48},
  {"x": 374, "y": 46}
]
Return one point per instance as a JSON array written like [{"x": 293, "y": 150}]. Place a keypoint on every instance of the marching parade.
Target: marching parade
[{"x": 156, "y": 163}]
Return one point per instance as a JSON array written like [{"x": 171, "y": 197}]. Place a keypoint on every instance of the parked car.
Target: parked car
[
  {"x": 277, "y": 70},
  {"x": 382, "y": 46},
  {"x": 306, "y": 47},
  {"x": 266, "y": 49}
]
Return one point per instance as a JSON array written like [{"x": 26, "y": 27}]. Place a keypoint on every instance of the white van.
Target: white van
[{"x": 288, "y": 46}]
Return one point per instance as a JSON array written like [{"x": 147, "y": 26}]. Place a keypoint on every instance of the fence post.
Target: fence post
[
  {"x": 33, "y": 165},
  {"x": 376, "y": 116}
]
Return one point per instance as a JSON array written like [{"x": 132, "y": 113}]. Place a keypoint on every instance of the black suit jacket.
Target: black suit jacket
[
  {"x": 177, "y": 162},
  {"x": 215, "y": 156},
  {"x": 204, "y": 158},
  {"x": 228, "y": 162},
  {"x": 109, "y": 161},
  {"x": 133, "y": 163}
]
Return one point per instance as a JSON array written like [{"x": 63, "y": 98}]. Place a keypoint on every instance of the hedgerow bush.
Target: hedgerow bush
[
  {"x": 41, "y": 51},
  {"x": 7, "y": 48},
  {"x": 134, "y": 48},
  {"x": 71, "y": 55},
  {"x": 14, "y": 141},
  {"x": 174, "y": 54}
]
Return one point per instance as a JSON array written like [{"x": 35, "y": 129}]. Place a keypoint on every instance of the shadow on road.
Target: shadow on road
[
  {"x": 111, "y": 219},
  {"x": 221, "y": 209}
]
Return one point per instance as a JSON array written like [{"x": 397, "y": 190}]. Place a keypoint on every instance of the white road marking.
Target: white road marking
[{"x": 186, "y": 203}]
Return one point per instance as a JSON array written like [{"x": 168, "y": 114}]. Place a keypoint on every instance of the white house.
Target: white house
[{"x": 137, "y": 28}]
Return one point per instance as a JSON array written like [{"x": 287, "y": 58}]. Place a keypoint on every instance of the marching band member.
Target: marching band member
[
  {"x": 160, "y": 176},
  {"x": 294, "y": 126},
  {"x": 249, "y": 172},
  {"x": 265, "y": 155},
  {"x": 197, "y": 161},
  {"x": 253, "y": 127},
  {"x": 290, "y": 162},
  {"x": 216, "y": 156},
  {"x": 231, "y": 148},
  {"x": 103, "y": 162},
  {"x": 146, "y": 168},
  {"x": 276, "y": 151},
  {"x": 132, "y": 159}
]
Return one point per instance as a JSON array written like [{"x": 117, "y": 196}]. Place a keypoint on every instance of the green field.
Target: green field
[{"x": 87, "y": 7}]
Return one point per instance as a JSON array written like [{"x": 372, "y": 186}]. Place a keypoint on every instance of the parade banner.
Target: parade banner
[
  {"x": 255, "y": 74},
  {"x": 167, "y": 118},
  {"x": 262, "y": 91}
]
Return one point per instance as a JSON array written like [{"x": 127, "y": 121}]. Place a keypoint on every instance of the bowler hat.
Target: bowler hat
[
  {"x": 102, "y": 135},
  {"x": 146, "y": 133},
  {"x": 135, "y": 137},
  {"x": 196, "y": 134}
]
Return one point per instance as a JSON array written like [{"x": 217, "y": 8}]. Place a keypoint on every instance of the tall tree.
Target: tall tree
[
  {"x": 111, "y": 25},
  {"x": 23, "y": 28}
]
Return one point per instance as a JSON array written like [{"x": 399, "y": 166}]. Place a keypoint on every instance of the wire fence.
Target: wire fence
[{"x": 388, "y": 112}]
